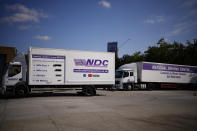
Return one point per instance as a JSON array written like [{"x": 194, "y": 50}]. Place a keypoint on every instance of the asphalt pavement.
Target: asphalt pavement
[{"x": 108, "y": 111}]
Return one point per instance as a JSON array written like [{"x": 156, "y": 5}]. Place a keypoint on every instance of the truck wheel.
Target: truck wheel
[
  {"x": 91, "y": 91},
  {"x": 20, "y": 91},
  {"x": 129, "y": 87}
]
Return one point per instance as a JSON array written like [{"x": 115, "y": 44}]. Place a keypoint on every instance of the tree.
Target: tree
[{"x": 164, "y": 52}]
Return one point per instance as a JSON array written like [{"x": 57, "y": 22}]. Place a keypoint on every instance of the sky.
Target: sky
[{"x": 91, "y": 24}]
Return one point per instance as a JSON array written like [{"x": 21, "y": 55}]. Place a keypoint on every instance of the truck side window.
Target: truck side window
[
  {"x": 126, "y": 74},
  {"x": 131, "y": 73},
  {"x": 14, "y": 70}
]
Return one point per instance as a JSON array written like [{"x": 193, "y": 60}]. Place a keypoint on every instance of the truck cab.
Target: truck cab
[
  {"x": 13, "y": 74},
  {"x": 125, "y": 79},
  {"x": 14, "y": 81}
]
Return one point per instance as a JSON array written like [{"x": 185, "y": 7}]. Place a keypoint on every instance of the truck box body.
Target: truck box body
[
  {"x": 166, "y": 73},
  {"x": 70, "y": 67}
]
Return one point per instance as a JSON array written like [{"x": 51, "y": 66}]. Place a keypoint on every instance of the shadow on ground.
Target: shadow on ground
[{"x": 50, "y": 95}]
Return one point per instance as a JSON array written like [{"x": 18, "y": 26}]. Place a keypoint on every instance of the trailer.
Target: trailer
[
  {"x": 150, "y": 75},
  {"x": 49, "y": 69}
]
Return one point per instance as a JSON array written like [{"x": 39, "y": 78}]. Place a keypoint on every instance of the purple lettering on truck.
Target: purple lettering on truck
[
  {"x": 48, "y": 57},
  {"x": 173, "y": 68},
  {"x": 90, "y": 71}
]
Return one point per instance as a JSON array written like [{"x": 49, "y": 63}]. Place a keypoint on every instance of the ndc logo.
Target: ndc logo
[{"x": 91, "y": 62}]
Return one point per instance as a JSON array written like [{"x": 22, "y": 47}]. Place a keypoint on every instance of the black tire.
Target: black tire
[
  {"x": 21, "y": 91},
  {"x": 91, "y": 91},
  {"x": 129, "y": 87}
]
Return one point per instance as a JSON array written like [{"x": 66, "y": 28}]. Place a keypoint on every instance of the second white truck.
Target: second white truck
[
  {"x": 150, "y": 75},
  {"x": 49, "y": 69}
]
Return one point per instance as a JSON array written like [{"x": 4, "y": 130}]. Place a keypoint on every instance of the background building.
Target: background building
[
  {"x": 7, "y": 54},
  {"x": 112, "y": 47}
]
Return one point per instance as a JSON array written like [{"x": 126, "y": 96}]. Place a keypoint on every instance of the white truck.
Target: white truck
[
  {"x": 150, "y": 75},
  {"x": 50, "y": 69}
]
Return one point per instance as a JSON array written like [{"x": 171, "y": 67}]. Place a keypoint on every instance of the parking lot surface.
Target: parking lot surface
[{"x": 108, "y": 111}]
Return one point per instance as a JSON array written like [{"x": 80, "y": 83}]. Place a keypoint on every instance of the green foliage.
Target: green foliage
[
  {"x": 164, "y": 52},
  {"x": 137, "y": 56}
]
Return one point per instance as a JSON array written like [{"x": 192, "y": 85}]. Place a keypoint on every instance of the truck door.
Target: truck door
[
  {"x": 128, "y": 77},
  {"x": 14, "y": 75},
  {"x": 131, "y": 77}
]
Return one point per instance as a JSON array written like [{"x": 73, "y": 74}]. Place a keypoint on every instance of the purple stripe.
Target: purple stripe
[
  {"x": 174, "y": 68},
  {"x": 48, "y": 57},
  {"x": 90, "y": 71}
]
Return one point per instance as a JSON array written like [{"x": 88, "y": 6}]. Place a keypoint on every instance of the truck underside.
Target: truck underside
[
  {"x": 22, "y": 89},
  {"x": 157, "y": 86}
]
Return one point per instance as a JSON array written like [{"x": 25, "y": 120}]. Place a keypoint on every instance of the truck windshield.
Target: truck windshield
[
  {"x": 119, "y": 74},
  {"x": 14, "y": 70},
  {"x": 126, "y": 74}
]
